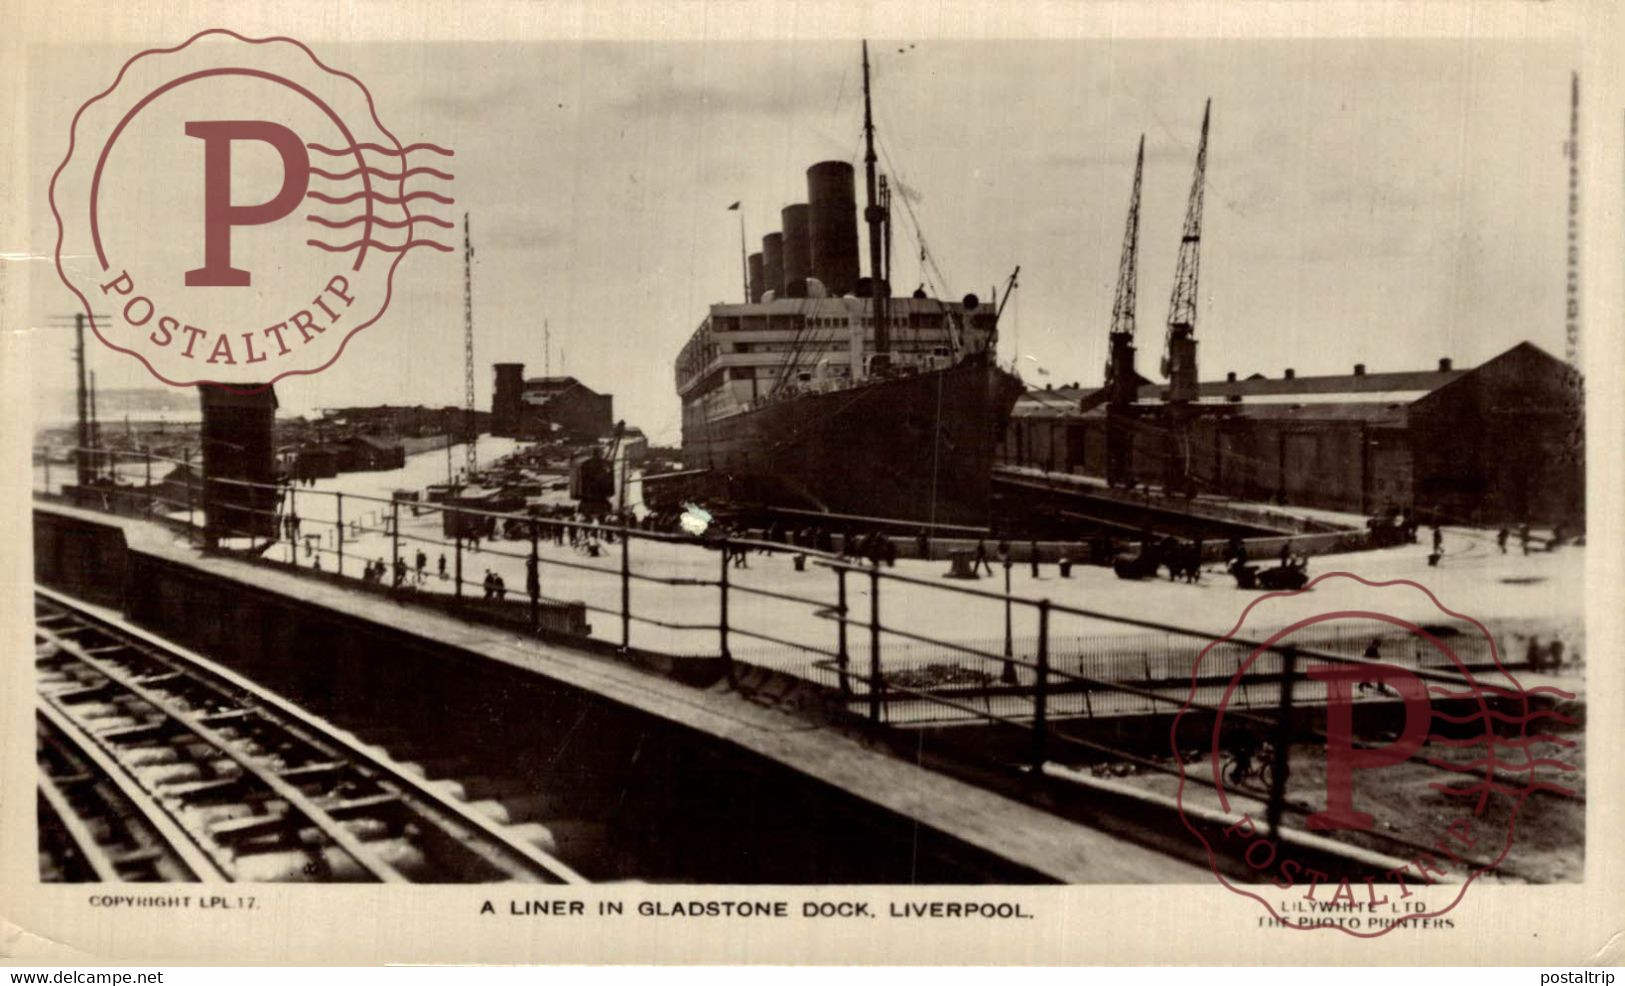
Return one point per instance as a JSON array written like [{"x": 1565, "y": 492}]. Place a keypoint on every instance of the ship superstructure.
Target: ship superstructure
[{"x": 820, "y": 391}]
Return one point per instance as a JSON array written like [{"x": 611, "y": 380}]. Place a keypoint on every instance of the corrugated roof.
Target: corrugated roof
[
  {"x": 1363, "y": 386},
  {"x": 1371, "y": 412},
  {"x": 1374, "y": 412},
  {"x": 552, "y": 383},
  {"x": 1060, "y": 402},
  {"x": 1364, "y": 389}
]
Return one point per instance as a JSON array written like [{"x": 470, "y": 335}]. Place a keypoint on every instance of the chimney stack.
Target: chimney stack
[
  {"x": 1290, "y": 374},
  {"x": 833, "y": 221},
  {"x": 797, "y": 250},
  {"x": 1445, "y": 365},
  {"x": 756, "y": 274},
  {"x": 1359, "y": 369},
  {"x": 773, "y": 264}
]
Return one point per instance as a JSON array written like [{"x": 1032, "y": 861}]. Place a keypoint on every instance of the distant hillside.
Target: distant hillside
[{"x": 114, "y": 403}]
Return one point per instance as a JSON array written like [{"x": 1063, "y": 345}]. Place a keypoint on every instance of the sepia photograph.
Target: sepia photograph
[{"x": 879, "y": 460}]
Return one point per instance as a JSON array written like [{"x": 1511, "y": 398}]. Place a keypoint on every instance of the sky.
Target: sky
[{"x": 1380, "y": 202}]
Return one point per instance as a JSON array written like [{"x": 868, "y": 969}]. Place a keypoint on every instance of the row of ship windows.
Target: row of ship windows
[
  {"x": 790, "y": 323},
  {"x": 759, "y": 372},
  {"x": 785, "y": 347}
]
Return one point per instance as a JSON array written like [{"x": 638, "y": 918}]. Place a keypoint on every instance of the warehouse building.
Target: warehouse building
[
  {"x": 543, "y": 407},
  {"x": 1499, "y": 443}
]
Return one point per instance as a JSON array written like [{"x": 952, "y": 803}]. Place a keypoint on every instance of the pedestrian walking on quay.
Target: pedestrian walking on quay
[
  {"x": 1501, "y": 539},
  {"x": 981, "y": 561}
]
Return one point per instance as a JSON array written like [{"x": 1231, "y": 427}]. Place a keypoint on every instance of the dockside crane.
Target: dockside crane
[
  {"x": 1122, "y": 383},
  {"x": 1179, "y": 352},
  {"x": 1120, "y": 353}
]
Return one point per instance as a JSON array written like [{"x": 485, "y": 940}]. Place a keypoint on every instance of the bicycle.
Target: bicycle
[{"x": 1243, "y": 762}]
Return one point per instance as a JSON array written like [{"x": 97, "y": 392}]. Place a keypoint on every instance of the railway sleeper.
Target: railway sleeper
[
  {"x": 364, "y": 805},
  {"x": 209, "y": 791},
  {"x": 144, "y": 857},
  {"x": 142, "y": 732},
  {"x": 225, "y": 716},
  {"x": 112, "y": 648},
  {"x": 240, "y": 832},
  {"x": 314, "y": 771},
  {"x": 84, "y": 693}
]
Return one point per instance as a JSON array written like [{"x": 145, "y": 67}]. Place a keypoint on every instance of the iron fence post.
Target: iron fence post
[
  {"x": 1041, "y": 689},
  {"x": 1008, "y": 674},
  {"x": 395, "y": 579},
  {"x": 722, "y": 612},
  {"x": 626, "y": 587},
  {"x": 186, "y": 460},
  {"x": 842, "y": 656},
  {"x": 1283, "y": 744},
  {"x": 339, "y": 528},
  {"x": 457, "y": 572},
  {"x": 533, "y": 580},
  {"x": 45, "y": 456},
  {"x": 876, "y": 683}
]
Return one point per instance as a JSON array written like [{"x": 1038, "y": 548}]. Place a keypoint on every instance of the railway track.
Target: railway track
[{"x": 155, "y": 764}]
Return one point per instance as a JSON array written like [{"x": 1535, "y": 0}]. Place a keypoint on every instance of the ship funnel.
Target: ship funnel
[
  {"x": 797, "y": 250},
  {"x": 833, "y": 221},
  {"x": 773, "y": 264},
  {"x": 756, "y": 287}
]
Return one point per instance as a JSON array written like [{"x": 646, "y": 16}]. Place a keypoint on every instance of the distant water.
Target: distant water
[{"x": 110, "y": 420}]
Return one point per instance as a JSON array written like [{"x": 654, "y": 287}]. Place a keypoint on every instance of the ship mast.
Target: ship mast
[{"x": 875, "y": 216}]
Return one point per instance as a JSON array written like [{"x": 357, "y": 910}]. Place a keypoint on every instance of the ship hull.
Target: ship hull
[{"x": 917, "y": 448}]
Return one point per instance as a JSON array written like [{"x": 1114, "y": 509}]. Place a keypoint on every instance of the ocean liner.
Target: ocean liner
[{"x": 822, "y": 393}]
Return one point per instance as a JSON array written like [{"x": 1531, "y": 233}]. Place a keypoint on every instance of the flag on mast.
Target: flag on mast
[{"x": 744, "y": 264}]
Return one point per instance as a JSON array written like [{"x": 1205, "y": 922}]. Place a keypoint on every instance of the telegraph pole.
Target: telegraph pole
[
  {"x": 1571, "y": 150},
  {"x": 95, "y": 431},
  {"x": 83, "y": 439},
  {"x": 81, "y": 463},
  {"x": 471, "y": 429}
]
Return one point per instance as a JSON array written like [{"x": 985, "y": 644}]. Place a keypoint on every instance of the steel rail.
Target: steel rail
[
  {"x": 184, "y": 846},
  {"x": 202, "y": 669}
]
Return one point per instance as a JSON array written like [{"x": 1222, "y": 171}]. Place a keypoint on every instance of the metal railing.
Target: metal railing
[{"x": 890, "y": 664}]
